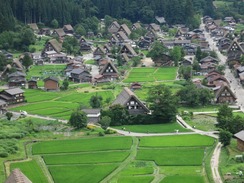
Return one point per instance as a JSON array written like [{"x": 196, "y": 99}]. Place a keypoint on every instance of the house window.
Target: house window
[{"x": 132, "y": 102}]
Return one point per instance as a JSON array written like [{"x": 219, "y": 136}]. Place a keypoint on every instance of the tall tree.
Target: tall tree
[
  {"x": 163, "y": 104},
  {"x": 78, "y": 119}
]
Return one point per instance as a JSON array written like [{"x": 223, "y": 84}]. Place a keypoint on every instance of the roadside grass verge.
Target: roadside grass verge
[{"x": 153, "y": 128}]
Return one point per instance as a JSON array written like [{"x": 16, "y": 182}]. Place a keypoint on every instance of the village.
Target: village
[{"x": 146, "y": 82}]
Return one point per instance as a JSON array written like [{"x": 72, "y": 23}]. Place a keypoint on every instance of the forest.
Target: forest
[{"x": 76, "y": 11}]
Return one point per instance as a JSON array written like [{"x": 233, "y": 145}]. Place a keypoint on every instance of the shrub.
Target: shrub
[
  {"x": 101, "y": 134},
  {"x": 3, "y": 154},
  {"x": 109, "y": 131}
]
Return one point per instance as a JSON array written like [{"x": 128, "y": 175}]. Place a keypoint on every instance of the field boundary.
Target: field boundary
[{"x": 126, "y": 162}]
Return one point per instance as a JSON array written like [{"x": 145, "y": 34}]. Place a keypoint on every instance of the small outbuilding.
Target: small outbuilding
[
  {"x": 32, "y": 84},
  {"x": 51, "y": 84},
  {"x": 240, "y": 140},
  {"x": 93, "y": 115}
]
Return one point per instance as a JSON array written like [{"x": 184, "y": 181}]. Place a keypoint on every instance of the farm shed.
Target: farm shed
[
  {"x": 240, "y": 140},
  {"x": 51, "y": 83},
  {"x": 93, "y": 115}
]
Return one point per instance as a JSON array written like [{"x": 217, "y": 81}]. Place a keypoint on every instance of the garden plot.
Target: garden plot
[{"x": 151, "y": 74}]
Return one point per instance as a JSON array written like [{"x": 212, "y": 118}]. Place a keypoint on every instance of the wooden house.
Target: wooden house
[
  {"x": 223, "y": 94},
  {"x": 235, "y": 51},
  {"x": 125, "y": 29},
  {"x": 93, "y": 115},
  {"x": 52, "y": 45},
  {"x": 32, "y": 84},
  {"x": 34, "y": 27},
  {"x": 125, "y": 58},
  {"x": 182, "y": 43},
  {"x": 136, "y": 26},
  {"x": 80, "y": 75},
  {"x": 209, "y": 59},
  {"x": 135, "y": 86},
  {"x": 109, "y": 71},
  {"x": 128, "y": 50},
  {"x": 17, "y": 79},
  {"x": 182, "y": 32},
  {"x": 16, "y": 176},
  {"x": 154, "y": 27},
  {"x": 122, "y": 37},
  {"x": 3, "y": 106},
  {"x": 143, "y": 43},
  {"x": 45, "y": 31},
  {"x": 240, "y": 140},
  {"x": 12, "y": 96},
  {"x": 187, "y": 61},
  {"x": 85, "y": 45},
  {"x": 160, "y": 20},
  {"x": 99, "y": 52},
  {"x": 151, "y": 35},
  {"x": 165, "y": 60},
  {"x": 114, "y": 27},
  {"x": 131, "y": 102},
  {"x": 51, "y": 84},
  {"x": 114, "y": 40},
  {"x": 59, "y": 33},
  {"x": 68, "y": 29}
]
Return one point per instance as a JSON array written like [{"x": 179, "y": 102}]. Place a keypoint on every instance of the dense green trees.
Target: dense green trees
[
  {"x": 96, "y": 101},
  {"x": 163, "y": 104},
  {"x": 157, "y": 51},
  {"x": 78, "y": 119},
  {"x": 192, "y": 96},
  {"x": 27, "y": 61},
  {"x": 78, "y": 11}
]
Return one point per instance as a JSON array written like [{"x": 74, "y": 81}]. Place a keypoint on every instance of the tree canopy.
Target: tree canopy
[
  {"x": 78, "y": 119},
  {"x": 162, "y": 103}
]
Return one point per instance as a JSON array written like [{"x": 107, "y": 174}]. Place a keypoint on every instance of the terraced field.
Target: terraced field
[
  {"x": 59, "y": 104},
  {"x": 163, "y": 159},
  {"x": 151, "y": 74}
]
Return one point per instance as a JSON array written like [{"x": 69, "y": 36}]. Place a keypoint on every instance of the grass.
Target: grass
[
  {"x": 85, "y": 158},
  {"x": 43, "y": 71},
  {"x": 172, "y": 156},
  {"x": 176, "y": 141},
  {"x": 239, "y": 28},
  {"x": 40, "y": 43},
  {"x": 92, "y": 62},
  {"x": 141, "y": 179},
  {"x": 80, "y": 173},
  {"x": 183, "y": 179},
  {"x": 151, "y": 74},
  {"x": 82, "y": 145},
  {"x": 228, "y": 163},
  {"x": 32, "y": 170},
  {"x": 138, "y": 168},
  {"x": 153, "y": 128},
  {"x": 59, "y": 104},
  {"x": 203, "y": 122},
  {"x": 199, "y": 108}
]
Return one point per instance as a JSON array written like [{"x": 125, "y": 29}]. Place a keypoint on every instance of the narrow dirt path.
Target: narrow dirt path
[
  {"x": 157, "y": 176},
  {"x": 215, "y": 164},
  {"x": 128, "y": 160}
]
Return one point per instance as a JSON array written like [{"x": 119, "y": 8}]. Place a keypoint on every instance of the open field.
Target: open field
[
  {"x": 41, "y": 72},
  {"x": 59, "y": 104},
  {"x": 93, "y": 159},
  {"x": 153, "y": 128},
  {"x": 172, "y": 156},
  {"x": 27, "y": 168},
  {"x": 82, "y": 145},
  {"x": 176, "y": 141},
  {"x": 199, "y": 108},
  {"x": 85, "y": 158},
  {"x": 80, "y": 173},
  {"x": 151, "y": 74},
  {"x": 203, "y": 122}
]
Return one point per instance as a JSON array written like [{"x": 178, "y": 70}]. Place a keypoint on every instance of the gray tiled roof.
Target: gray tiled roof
[
  {"x": 91, "y": 111},
  {"x": 14, "y": 91},
  {"x": 240, "y": 135}
]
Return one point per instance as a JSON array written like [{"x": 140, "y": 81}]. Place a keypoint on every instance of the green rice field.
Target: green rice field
[
  {"x": 151, "y": 74},
  {"x": 122, "y": 159}
]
